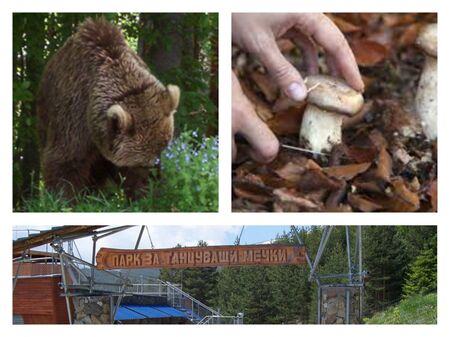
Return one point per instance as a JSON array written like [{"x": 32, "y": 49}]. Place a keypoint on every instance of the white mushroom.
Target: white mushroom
[
  {"x": 426, "y": 97},
  {"x": 329, "y": 101}
]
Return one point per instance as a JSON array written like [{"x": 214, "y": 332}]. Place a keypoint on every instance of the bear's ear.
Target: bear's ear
[
  {"x": 120, "y": 119},
  {"x": 174, "y": 93}
]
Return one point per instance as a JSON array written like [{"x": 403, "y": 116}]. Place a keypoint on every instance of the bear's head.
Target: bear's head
[{"x": 139, "y": 126}]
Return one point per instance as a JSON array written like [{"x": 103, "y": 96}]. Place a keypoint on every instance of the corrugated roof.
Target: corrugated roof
[{"x": 133, "y": 312}]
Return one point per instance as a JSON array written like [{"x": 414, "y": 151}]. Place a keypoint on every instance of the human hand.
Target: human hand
[
  {"x": 245, "y": 122},
  {"x": 257, "y": 33}
]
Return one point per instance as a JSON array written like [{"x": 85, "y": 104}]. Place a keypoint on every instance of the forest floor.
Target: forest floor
[
  {"x": 419, "y": 309},
  {"x": 385, "y": 162}
]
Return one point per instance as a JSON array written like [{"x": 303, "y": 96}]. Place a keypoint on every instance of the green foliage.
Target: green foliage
[
  {"x": 418, "y": 309},
  {"x": 421, "y": 277},
  {"x": 188, "y": 182},
  {"x": 386, "y": 261},
  {"x": 197, "y": 282}
]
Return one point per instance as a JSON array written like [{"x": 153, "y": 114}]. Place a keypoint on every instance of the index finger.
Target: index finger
[{"x": 325, "y": 33}]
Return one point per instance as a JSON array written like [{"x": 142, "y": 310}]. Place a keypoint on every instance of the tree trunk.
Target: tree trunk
[{"x": 161, "y": 41}]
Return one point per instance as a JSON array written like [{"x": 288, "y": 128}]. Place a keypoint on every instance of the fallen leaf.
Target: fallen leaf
[
  {"x": 409, "y": 35},
  {"x": 291, "y": 171},
  {"x": 384, "y": 165},
  {"x": 346, "y": 172},
  {"x": 343, "y": 25},
  {"x": 368, "y": 53},
  {"x": 336, "y": 196},
  {"x": 433, "y": 194},
  {"x": 291, "y": 195},
  {"x": 362, "y": 154},
  {"x": 252, "y": 192},
  {"x": 262, "y": 109},
  {"x": 265, "y": 84},
  {"x": 285, "y": 45},
  {"x": 403, "y": 199},
  {"x": 398, "y": 19},
  {"x": 287, "y": 122},
  {"x": 313, "y": 180},
  {"x": 363, "y": 204}
]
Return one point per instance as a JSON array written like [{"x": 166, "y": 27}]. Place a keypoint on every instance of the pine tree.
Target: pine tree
[{"x": 422, "y": 275}]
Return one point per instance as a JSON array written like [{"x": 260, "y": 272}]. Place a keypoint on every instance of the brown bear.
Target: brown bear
[{"x": 101, "y": 113}]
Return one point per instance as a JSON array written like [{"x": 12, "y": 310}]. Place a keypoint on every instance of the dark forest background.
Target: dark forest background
[
  {"x": 180, "y": 48},
  {"x": 401, "y": 262}
]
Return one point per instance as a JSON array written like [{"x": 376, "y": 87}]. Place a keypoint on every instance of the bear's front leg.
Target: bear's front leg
[
  {"x": 68, "y": 178},
  {"x": 135, "y": 181}
]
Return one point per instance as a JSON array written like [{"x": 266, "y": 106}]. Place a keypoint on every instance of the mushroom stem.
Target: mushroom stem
[
  {"x": 320, "y": 129},
  {"x": 426, "y": 98},
  {"x": 329, "y": 101}
]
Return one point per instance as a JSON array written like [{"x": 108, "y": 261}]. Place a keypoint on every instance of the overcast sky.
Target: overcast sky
[{"x": 170, "y": 236}]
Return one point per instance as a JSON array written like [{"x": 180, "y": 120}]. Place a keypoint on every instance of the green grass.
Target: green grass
[
  {"x": 417, "y": 309},
  {"x": 188, "y": 182}
]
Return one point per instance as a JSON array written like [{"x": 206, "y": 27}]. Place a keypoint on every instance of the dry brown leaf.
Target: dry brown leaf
[
  {"x": 346, "y": 172},
  {"x": 291, "y": 171},
  {"x": 285, "y": 45},
  {"x": 265, "y": 84},
  {"x": 313, "y": 180},
  {"x": 403, "y": 199},
  {"x": 362, "y": 154},
  {"x": 262, "y": 109},
  {"x": 409, "y": 35},
  {"x": 287, "y": 122},
  {"x": 398, "y": 19},
  {"x": 361, "y": 203},
  {"x": 343, "y": 25},
  {"x": 252, "y": 192},
  {"x": 433, "y": 194},
  {"x": 384, "y": 167},
  {"x": 370, "y": 186},
  {"x": 291, "y": 195},
  {"x": 368, "y": 53}
]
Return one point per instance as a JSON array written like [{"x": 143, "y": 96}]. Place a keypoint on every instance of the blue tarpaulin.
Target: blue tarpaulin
[{"x": 130, "y": 312}]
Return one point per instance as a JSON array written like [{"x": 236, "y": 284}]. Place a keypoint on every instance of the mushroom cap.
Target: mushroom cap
[
  {"x": 334, "y": 95},
  {"x": 427, "y": 39}
]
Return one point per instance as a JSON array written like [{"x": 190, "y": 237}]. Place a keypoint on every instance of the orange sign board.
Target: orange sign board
[{"x": 198, "y": 257}]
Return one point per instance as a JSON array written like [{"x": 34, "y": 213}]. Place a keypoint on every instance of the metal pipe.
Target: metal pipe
[
  {"x": 360, "y": 266},
  {"x": 94, "y": 247},
  {"x": 319, "y": 305},
  {"x": 63, "y": 275},
  {"x": 119, "y": 299},
  {"x": 347, "y": 306},
  {"x": 323, "y": 242},
  {"x": 308, "y": 259},
  {"x": 16, "y": 276},
  {"x": 349, "y": 261}
]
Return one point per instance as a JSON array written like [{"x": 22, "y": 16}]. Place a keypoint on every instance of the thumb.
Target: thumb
[{"x": 281, "y": 70}]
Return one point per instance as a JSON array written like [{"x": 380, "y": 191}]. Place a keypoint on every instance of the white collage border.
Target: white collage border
[{"x": 224, "y": 217}]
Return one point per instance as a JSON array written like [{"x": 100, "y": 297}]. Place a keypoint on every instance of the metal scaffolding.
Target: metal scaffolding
[{"x": 352, "y": 279}]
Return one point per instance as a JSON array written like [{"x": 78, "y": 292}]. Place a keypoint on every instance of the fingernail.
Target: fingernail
[{"x": 296, "y": 91}]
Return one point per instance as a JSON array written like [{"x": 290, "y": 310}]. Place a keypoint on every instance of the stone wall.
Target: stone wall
[
  {"x": 91, "y": 310},
  {"x": 333, "y": 305}
]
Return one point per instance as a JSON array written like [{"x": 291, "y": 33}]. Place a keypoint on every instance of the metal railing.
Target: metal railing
[
  {"x": 83, "y": 279},
  {"x": 238, "y": 319}
]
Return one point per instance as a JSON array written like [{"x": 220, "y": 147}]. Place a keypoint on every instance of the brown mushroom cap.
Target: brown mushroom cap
[
  {"x": 334, "y": 95},
  {"x": 427, "y": 39}
]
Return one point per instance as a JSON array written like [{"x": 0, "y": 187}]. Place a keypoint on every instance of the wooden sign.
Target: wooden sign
[{"x": 198, "y": 257}]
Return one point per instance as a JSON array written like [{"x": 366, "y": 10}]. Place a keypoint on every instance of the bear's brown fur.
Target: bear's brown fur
[{"x": 101, "y": 113}]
